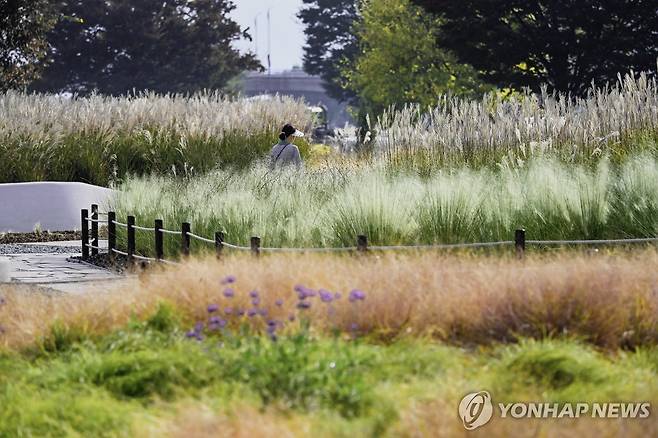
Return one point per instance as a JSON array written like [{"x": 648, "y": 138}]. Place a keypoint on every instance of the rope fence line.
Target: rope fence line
[
  {"x": 442, "y": 246},
  {"x": 592, "y": 242},
  {"x": 255, "y": 248},
  {"x": 236, "y": 247},
  {"x": 137, "y": 227},
  {"x": 202, "y": 239},
  {"x": 303, "y": 250},
  {"x": 120, "y": 224}
]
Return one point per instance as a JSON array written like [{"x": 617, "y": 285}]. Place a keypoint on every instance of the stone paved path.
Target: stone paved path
[{"x": 60, "y": 272}]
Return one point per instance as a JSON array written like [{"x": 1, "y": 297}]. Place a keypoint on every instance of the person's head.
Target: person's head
[{"x": 289, "y": 132}]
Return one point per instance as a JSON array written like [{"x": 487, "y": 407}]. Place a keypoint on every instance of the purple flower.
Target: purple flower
[
  {"x": 291, "y": 318},
  {"x": 253, "y": 294},
  {"x": 271, "y": 329},
  {"x": 213, "y": 308},
  {"x": 191, "y": 334},
  {"x": 357, "y": 295},
  {"x": 337, "y": 296},
  {"x": 304, "y": 292},
  {"x": 252, "y": 312},
  {"x": 354, "y": 326},
  {"x": 255, "y": 301},
  {"x": 228, "y": 310},
  {"x": 262, "y": 312},
  {"x": 279, "y": 302},
  {"x": 239, "y": 312},
  {"x": 216, "y": 322},
  {"x": 326, "y": 296},
  {"x": 272, "y": 322},
  {"x": 198, "y": 327},
  {"x": 228, "y": 279},
  {"x": 229, "y": 293},
  {"x": 303, "y": 305}
]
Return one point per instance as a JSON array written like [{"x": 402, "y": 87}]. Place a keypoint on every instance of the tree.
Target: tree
[
  {"x": 23, "y": 46},
  {"x": 116, "y": 46},
  {"x": 566, "y": 44},
  {"x": 399, "y": 61},
  {"x": 330, "y": 41}
]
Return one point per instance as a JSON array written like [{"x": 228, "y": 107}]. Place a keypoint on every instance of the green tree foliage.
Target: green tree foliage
[
  {"x": 116, "y": 46},
  {"x": 566, "y": 44},
  {"x": 400, "y": 62},
  {"x": 330, "y": 42},
  {"x": 23, "y": 46}
]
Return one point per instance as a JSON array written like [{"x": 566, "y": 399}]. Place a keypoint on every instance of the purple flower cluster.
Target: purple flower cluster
[
  {"x": 357, "y": 295},
  {"x": 304, "y": 295}
]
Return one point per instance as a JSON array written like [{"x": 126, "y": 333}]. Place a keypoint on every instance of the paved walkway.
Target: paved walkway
[{"x": 61, "y": 272}]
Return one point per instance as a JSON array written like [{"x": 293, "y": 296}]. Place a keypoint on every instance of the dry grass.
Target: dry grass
[
  {"x": 420, "y": 418},
  {"x": 437, "y": 418},
  {"x": 608, "y": 300},
  {"x": 194, "y": 419}
]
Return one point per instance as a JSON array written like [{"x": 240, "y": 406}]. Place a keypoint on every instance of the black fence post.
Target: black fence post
[
  {"x": 255, "y": 245},
  {"x": 111, "y": 234},
  {"x": 84, "y": 230},
  {"x": 94, "y": 229},
  {"x": 185, "y": 238},
  {"x": 219, "y": 243},
  {"x": 131, "y": 239},
  {"x": 159, "y": 240},
  {"x": 361, "y": 243},
  {"x": 519, "y": 243}
]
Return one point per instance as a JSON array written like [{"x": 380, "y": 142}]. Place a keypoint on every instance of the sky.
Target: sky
[{"x": 287, "y": 31}]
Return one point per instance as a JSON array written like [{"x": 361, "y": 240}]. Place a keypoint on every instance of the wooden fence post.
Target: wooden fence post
[
  {"x": 94, "y": 229},
  {"x": 84, "y": 230},
  {"x": 362, "y": 243},
  {"x": 519, "y": 243},
  {"x": 255, "y": 245},
  {"x": 111, "y": 234},
  {"x": 159, "y": 240},
  {"x": 185, "y": 238},
  {"x": 219, "y": 243},
  {"x": 131, "y": 239}
]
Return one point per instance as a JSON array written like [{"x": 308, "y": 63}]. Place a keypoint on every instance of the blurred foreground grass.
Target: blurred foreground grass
[{"x": 148, "y": 379}]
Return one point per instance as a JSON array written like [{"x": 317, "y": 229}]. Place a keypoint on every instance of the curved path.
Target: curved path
[{"x": 54, "y": 267}]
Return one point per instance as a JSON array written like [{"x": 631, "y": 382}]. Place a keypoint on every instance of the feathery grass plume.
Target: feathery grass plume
[{"x": 614, "y": 121}]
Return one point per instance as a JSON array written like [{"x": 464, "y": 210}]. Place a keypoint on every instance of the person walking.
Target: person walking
[{"x": 285, "y": 153}]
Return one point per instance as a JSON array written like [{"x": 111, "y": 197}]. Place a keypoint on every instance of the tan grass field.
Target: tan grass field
[{"x": 610, "y": 300}]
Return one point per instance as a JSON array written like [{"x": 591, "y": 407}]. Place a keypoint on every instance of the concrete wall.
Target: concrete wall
[{"x": 55, "y": 206}]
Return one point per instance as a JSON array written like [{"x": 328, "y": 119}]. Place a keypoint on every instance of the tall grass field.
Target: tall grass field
[
  {"x": 100, "y": 140},
  {"x": 329, "y": 207}
]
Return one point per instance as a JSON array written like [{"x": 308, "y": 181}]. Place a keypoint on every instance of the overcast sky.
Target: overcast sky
[{"x": 287, "y": 31}]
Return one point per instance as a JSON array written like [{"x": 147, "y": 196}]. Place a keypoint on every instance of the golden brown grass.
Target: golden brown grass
[
  {"x": 421, "y": 418},
  {"x": 609, "y": 300}
]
